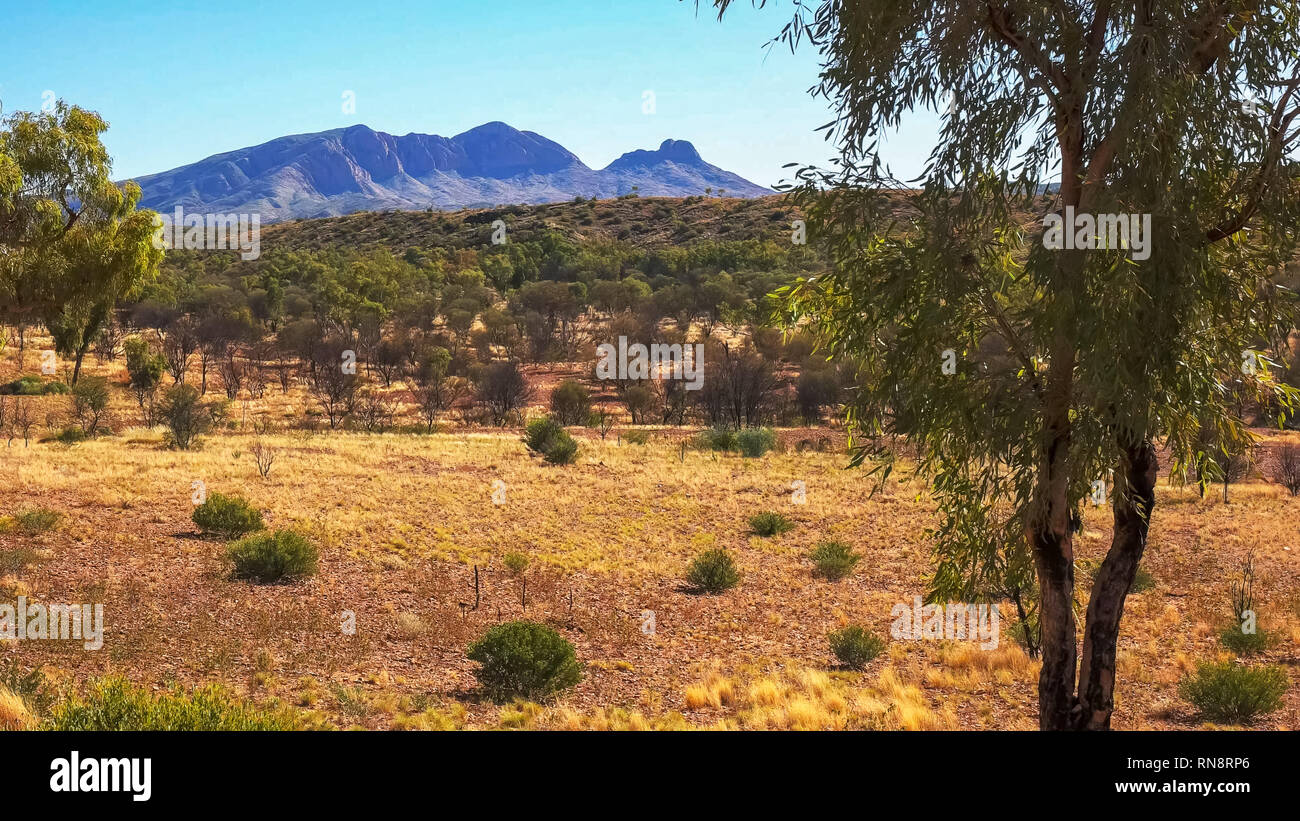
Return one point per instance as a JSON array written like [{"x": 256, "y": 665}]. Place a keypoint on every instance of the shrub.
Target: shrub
[
  {"x": 815, "y": 390},
  {"x": 712, "y": 571},
  {"x": 502, "y": 389},
  {"x": 1232, "y": 693},
  {"x": 637, "y": 437},
  {"x": 754, "y": 442},
  {"x": 717, "y": 439},
  {"x": 1288, "y": 468},
  {"x": 563, "y": 451},
  {"x": 1243, "y": 643},
  {"x": 571, "y": 403},
  {"x": 227, "y": 516},
  {"x": 855, "y": 646},
  {"x": 90, "y": 403},
  {"x": 523, "y": 659},
  {"x": 184, "y": 415},
  {"x": 548, "y": 437},
  {"x": 69, "y": 436},
  {"x": 833, "y": 560},
  {"x": 516, "y": 563},
  {"x": 770, "y": 524},
  {"x": 115, "y": 705},
  {"x": 33, "y": 386},
  {"x": 37, "y": 520},
  {"x": 32, "y": 690},
  {"x": 269, "y": 558}
]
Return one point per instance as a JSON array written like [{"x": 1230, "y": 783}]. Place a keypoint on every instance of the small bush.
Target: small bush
[
  {"x": 186, "y": 417},
  {"x": 269, "y": 558},
  {"x": 516, "y": 563},
  {"x": 754, "y": 442},
  {"x": 833, "y": 560},
  {"x": 637, "y": 437},
  {"x": 32, "y": 386},
  {"x": 90, "y": 403},
  {"x": 770, "y": 524},
  {"x": 523, "y": 659},
  {"x": 115, "y": 705},
  {"x": 571, "y": 403},
  {"x": 548, "y": 437},
  {"x": 37, "y": 520},
  {"x": 713, "y": 571},
  {"x": 1243, "y": 643},
  {"x": 69, "y": 436},
  {"x": 227, "y": 516},
  {"x": 1288, "y": 468},
  {"x": 723, "y": 439},
  {"x": 32, "y": 688},
  {"x": 1232, "y": 693},
  {"x": 855, "y": 646}
]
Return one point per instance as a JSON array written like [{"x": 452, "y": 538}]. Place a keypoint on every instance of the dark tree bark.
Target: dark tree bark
[
  {"x": 1133, "y": 502},
  {"x": 1052, "y": 540}
]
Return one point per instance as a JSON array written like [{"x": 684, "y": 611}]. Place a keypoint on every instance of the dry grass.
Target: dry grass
[
  {"x": 402, "y": 520},
  {"x": 14, "y": 714}
]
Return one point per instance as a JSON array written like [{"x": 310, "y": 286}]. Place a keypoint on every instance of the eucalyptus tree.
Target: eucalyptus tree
[{"x": 1028, "y": 364}]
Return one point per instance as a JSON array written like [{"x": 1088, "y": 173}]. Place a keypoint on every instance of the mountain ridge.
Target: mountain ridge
[{"x": 356, "y": 168}]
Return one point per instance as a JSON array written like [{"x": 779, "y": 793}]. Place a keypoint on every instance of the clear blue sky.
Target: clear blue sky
[{"x": 178, "y": 82}]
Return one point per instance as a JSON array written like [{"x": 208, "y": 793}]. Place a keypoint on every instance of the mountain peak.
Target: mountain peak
[
  {"x": 356, "y": 168},
  {"x": 675, "y": 151}
]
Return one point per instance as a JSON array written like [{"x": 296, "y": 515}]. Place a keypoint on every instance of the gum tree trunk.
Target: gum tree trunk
[
  {"x": 1133, "y": 502},
  {"x": 1052, "y": 541}
]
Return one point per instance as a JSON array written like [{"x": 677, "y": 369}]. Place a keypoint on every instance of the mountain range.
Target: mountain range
[{"x": 344, "y": 170}]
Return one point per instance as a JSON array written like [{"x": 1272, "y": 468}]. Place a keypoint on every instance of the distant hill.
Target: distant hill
[{"x": 346, "y": 170}]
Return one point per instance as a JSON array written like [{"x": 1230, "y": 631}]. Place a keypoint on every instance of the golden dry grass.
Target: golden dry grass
[{"x": 401, "y": 521}]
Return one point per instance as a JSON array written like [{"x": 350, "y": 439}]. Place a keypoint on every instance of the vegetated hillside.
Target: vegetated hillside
[{"x": 643, "y": 222}]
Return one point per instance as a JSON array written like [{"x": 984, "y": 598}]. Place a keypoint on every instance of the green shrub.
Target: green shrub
[
  {"x": 273, "y": 557},
  {"x": 33, "y": 386},
  {"x": 523, "y": 659},
  {"x": 186, "y": 416},
  {"x": 37, "y": 520},
  {"x": 571, "y": 403},
  {"x": 754, "y": 442},
  {"x": 115, "y": 705},
  {"x": 1245, "y": 644},
  {"x": 637, "y": 437},
  {"x": 90, "y": 403},
  {"x": 227, "y": 516},
  {"x": 855, "y": 646},
  {"x": 770, "y": 524},
  {"x": 69, "y": 436},
  {"x": 717, "y": 439},
  {"x": 549, "y": 438},
  {"x": 516, "y": 563},
  {"x": 833, "y": 560},
  {"x": 1228, "y": 692},
  {"x": 712, "y": 571},
  {"x": 32, "y": 687}
]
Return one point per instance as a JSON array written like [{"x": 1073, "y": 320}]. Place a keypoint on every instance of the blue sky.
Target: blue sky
[{"x": 181, "y": 81}]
